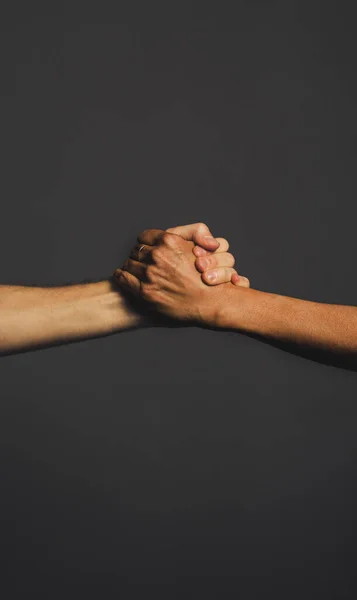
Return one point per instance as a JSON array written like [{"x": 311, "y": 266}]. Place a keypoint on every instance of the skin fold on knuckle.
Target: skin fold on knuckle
[
  {"x": 169, "y": 239},
  {"x": 224, "y": 275},
  {"x": 153, "y": 274},
  {"x": 209, "y": 262}
]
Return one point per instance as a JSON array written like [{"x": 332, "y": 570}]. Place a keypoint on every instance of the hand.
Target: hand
[
  {"x": 213, "y": 261},
  {"x": 161, "y": 270}
]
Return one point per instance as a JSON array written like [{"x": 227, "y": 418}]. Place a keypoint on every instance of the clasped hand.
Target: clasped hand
[{"x": 182, "y": 272}]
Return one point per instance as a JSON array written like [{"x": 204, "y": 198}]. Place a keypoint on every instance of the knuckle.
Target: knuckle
[
  {"x": 211, "y": 261},
  {"x": 152, "y": 273},
  {"x": 225, "y": 274},
  {"x": 168, "y": 239},
  {"x": 156, "y": 254},
  {"x": 222, "y": 275},
  {"x": 231, "y": 258},
  {"x": 201, "y": 226}
]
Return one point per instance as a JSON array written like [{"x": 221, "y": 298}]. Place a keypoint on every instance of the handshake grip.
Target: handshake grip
[{"x": 182, "y": 272}]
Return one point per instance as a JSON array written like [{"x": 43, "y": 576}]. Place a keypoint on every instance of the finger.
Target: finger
[
  {"x": 240, "y": 280},
  {"x": 218, "y": 275},
  {"x": 223, "y": 247},
  {"x": 127, "y": 281},
  {"x": 135, "y": 268},
  {"x": 142, "y": 253},
  {"x": 224, "y": 259},
  {"x": 150, "y": 236},
  {"x": 198, "y": 233}
]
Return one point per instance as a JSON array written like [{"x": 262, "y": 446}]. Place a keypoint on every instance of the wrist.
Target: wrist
[
  {"x": 232, "y": 308},
  {"x": 220, "y": 307},
  {"x": 246, "y": 310},
  {"x": 253, "y": 311},
  {"x": 115, "y": 308}
]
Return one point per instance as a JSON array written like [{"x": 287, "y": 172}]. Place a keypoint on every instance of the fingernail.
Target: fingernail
[
  {"x": 211, "y": 275},
  {"x": 235, "y": 278},
  {"x": 199, "y": 251},
  {"x": 203, "y": 263}
]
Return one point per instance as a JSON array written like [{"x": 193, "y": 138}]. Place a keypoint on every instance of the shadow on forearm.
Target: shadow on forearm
[
  {"x": 151, "y": 318},
  {"x": 342, "y": 360},
  {"x": 347, "y": 360}
]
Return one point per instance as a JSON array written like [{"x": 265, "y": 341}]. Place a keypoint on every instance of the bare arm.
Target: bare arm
[
  {"x": 40, "y": 316},
  {"x": 322, "y": 326},
  {"x": 32, "y": 317},
  {"x": 170, "y": 283}
]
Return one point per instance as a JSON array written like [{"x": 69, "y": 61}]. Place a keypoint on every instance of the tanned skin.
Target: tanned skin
[{"x": 165, "y": 276}]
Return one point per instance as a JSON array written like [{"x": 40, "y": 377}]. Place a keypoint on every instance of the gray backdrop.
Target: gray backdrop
[{"x": 181, "y": 462}]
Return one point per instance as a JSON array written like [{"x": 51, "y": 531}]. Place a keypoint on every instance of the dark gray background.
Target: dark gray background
[{"x": 181, "y": 462}]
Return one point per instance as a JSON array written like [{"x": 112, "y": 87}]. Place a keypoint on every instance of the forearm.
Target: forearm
[
  {"x": 325, "y": 326},
  {"x": 31, "y": 316}
]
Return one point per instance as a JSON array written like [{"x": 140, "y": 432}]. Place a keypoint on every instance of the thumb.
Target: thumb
[
  {"x": 197, "y": 233},
  {"x": 240, "y": 280}
]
